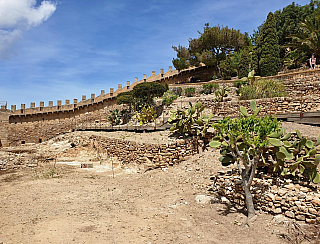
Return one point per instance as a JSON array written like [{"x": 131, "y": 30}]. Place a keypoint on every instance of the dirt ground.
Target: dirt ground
[{"x": 59, "y": 203}]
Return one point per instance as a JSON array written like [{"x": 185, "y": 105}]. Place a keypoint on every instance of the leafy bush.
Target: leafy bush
[
  {"x": 189, "y": 91},
  {"x": 146, "y": 115},
  {"x": 209, "y": 88},
  {"x": 239, "y": 83},
  {"x": 168, "y": 97},
  {"x": 190, "y": 121},
  {"x": 125, "y": 98},
  {"x": 221, "y": 93},
  {"x": 177, "y": 91},
  {"x": 249, "y": 141},
  {"x": 145, "y": 92},
  {"x": 214, "y": 77},
  {"x": 263, "y": 89}
]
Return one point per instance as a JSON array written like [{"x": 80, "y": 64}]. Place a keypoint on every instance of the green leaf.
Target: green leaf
[
  {"x": 309, "y": 164},
  {"x": 276, "y": 167},
  {"x": 287, "y": 144},
  {"x": 276, "y": 134},
  {"x": 173, "y": 128},
  {"x": 293, "y": 168},
  {"x": 299, "y": 134},
  {"x": 316, "y": 178},
  {"x": 257, "y": 111},
  {"x": 225, "y": 144},
  {"x": 289, "y": 156},
  {"x": 215, "y": 144},
  {"x": 280, "y": 155},
  {"x": 226, "y": 160},
  {"x": 274, "y": 142},
  {"x": 193, "y": 110},
  {"x": 309, "y": 144},
  {"x": 312, "y": 152},
  {"x": 198, "y": 105},
  {"x": 201, "y": 109},
  {"x": 264, "y": 160},
  {"x": 318, "y": 140},
  {"x": 301, "y": 169},
  {"x": 253, "y": 105},
  {"x": 244, "y": 111},
  {"x": 241, "y": 146},
  {"x": 199, "y": 122},
  {"x": 286, "y": 137},
  {"x": 284, "y": 171},
  {"x": 317, "y": 160}
]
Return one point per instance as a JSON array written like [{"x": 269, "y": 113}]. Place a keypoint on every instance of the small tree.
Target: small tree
[
  {"x": 125, "y": 98},
  {"x": 146, "y": 91},
  {"x": 249, "y": 140}
]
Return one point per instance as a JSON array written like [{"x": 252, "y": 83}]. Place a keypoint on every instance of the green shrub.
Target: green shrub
[
  {"x": 239, "y": 83},
  {"x": 146, "y": 115},
  {"x": 177, "y": 91},
  {"x": 214, "y": 77},
  {"x": 209, "y": 88},
  {"x": 263, "y": 89},
  {"x": 168, "y": 97},
  {"x": 221, "y": 93},
  {"x": 190, "y": 91}
]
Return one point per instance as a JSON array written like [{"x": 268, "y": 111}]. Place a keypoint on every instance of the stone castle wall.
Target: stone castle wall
[{"x": 40, "y": 123}]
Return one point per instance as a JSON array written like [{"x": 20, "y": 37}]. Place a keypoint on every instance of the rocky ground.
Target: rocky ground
[{"x": 45, "y": 200}]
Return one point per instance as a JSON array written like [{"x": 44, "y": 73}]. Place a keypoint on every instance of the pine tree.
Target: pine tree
[
  {"x": 269, "y": 62},
  {"x": 244, "y": 64}
]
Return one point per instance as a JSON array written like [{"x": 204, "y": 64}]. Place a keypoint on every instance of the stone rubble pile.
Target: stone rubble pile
[{"x": 298, "y": 201}]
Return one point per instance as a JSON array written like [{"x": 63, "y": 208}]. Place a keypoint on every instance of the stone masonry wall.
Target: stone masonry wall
[
  {"x": 154, "y": 155},
  {"x": 35, "y": 132},
  {"x": 295, "y": 200}
]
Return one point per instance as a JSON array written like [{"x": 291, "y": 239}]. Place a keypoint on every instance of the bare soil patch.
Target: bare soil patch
[{"x": 59, "y": 203}]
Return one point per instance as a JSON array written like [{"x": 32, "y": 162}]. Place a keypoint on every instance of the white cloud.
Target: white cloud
[{"x": 17, "y": 16}]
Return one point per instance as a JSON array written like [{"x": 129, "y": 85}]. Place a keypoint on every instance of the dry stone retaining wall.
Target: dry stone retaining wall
[
  {"x": 272, "y": 195},
  {"x": 152, "y": 155}
]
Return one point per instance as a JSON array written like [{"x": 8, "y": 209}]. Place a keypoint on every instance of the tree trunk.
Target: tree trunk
[{"x": 249, "y": 201}]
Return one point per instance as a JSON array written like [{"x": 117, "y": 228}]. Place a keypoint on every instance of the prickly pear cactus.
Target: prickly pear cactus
[
  {"x": 297, "y": 157},
  {"x": 190, "y": 121}
]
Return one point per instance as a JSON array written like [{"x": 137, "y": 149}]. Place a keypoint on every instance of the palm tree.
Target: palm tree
[{"x": 306, "y": 42}]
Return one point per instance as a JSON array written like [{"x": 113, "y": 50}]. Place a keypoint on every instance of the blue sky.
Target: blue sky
[{"x": 61, "y": 50}]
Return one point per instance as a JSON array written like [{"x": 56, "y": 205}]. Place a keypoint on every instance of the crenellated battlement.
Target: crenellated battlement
[{"x": 67, "y": 106}]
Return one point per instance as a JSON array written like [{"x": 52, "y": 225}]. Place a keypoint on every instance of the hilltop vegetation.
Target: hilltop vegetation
[{"x": 285, "y": 40}]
